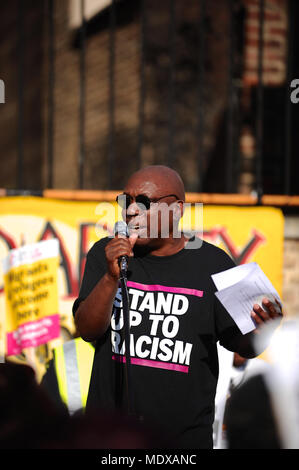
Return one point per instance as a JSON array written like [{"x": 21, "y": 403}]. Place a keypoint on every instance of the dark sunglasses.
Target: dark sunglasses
[{"x": 143, "y": 202}]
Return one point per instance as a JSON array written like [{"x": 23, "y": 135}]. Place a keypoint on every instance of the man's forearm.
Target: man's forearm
[
  {"x": 246, "y": 345},
  {"x": 94, "y": 313}
]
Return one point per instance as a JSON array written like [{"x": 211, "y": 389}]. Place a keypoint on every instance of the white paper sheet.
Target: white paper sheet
[{"x": 240, "y": 288}]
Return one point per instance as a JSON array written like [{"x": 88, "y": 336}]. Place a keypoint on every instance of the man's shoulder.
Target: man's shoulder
[
  {"x": 99, "y": 246},
  {"x": 207, "y": 247},
  {"x": 213, "y": 253}
]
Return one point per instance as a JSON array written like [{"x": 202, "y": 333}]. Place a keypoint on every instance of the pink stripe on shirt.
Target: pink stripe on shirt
[
  {"x": 149, "y": 363},
  {"x": 157, "y": 287}
]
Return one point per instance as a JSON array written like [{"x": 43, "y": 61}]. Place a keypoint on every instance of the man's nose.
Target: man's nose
[{"x": 133, "y": 209}]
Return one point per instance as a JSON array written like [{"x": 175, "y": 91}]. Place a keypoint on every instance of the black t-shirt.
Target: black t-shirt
[{"x": 175, "y": 323}]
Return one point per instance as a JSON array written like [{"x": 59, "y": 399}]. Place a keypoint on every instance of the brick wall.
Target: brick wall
[
  {"x": 127, "y": 94},
  {"x": 33, "y": 126},
  {"x": 66, "y": 143},
  {"x": 275, "y": 42},
  {"x": 274, "y": 74}
]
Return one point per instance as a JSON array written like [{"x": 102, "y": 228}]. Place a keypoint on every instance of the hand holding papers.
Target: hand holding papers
[{"x": 240, "y": 288}]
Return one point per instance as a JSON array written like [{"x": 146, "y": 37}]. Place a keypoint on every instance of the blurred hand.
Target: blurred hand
[{"x": 270, "y": 311}]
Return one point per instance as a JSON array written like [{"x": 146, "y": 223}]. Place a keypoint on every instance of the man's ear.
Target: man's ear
[{"x": 178, "y": 210}]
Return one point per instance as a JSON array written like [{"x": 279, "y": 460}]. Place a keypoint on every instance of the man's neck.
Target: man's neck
[{"x": 168, "y": 247}]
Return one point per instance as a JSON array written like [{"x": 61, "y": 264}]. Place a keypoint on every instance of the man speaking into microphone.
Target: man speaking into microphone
[{"x": 175, "y": 318}]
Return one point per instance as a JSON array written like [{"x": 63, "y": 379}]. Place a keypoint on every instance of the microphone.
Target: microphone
[{"x": 121, "y": 228}]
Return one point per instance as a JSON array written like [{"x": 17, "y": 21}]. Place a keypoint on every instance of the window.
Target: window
[{"x": 91, "y": 8}]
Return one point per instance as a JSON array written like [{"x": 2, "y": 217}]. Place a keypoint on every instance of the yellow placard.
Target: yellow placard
[{"x": 31, "y": 296}]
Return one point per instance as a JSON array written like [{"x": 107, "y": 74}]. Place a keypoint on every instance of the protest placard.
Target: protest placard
[{"x": 31, "y": 296}]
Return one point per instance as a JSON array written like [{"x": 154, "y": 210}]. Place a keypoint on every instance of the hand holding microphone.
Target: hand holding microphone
[
  {"x": 119, "y": 250},
  {"x": 121, "y": 230},
  {"x": 122, "y": 245}
]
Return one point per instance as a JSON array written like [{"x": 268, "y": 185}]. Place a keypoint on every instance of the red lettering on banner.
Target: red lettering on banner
[
  {"x": 239, "y": 256},
  {"x": 11, "y": 245},
  {"x": 71, "y": 281},
  {"x": 83, "y": 248}
]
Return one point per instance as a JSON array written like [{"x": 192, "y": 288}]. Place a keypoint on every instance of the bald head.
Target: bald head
[{"x": 165, "y": 180}]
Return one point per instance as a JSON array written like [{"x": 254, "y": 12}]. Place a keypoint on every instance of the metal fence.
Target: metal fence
[{"x": 285, "y": 165}]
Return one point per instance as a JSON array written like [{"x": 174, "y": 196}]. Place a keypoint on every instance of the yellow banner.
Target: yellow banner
[
  {"x": 245, "y": 233},
  {"x": 249, "y": 234}
]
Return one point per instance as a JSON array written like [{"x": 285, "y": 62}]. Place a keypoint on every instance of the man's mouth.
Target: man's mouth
[{"x": 136, "y": 228}]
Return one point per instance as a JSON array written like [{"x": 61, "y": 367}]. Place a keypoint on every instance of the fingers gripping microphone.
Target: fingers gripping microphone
[{"x": 121, "y": 228}]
